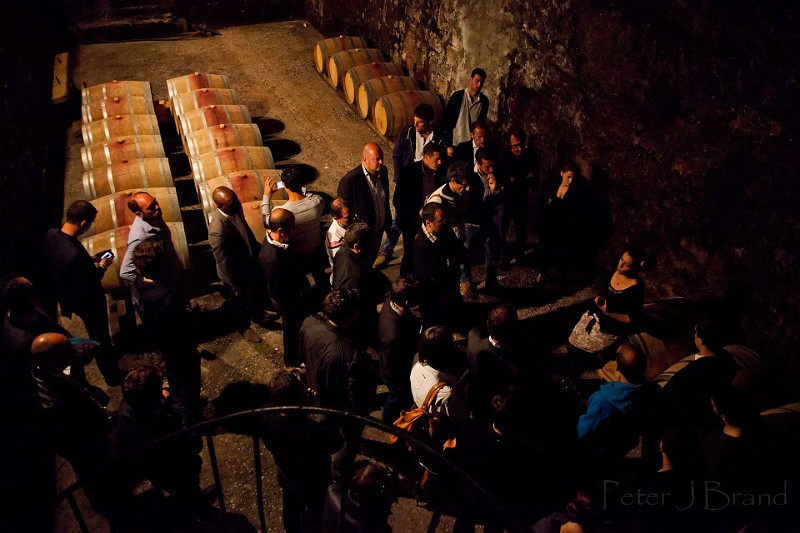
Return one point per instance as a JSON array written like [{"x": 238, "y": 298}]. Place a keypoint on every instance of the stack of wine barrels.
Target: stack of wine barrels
[
  {"x": 223, "y": 144},
  {"x": 122, "y": 154},
  {"x": 380, "y": 91}
]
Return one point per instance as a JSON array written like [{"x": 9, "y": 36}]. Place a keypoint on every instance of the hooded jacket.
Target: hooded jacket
[{"x": 613, "y": 415}]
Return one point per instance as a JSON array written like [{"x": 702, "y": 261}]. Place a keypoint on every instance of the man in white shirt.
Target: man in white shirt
[{"x": 463, "y": 108}]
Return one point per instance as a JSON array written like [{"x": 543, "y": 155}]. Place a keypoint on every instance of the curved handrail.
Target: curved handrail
[{"x": 208, "y": 427}]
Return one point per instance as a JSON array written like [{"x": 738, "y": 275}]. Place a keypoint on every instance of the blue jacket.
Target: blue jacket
[{"x": 609, "y": 404}]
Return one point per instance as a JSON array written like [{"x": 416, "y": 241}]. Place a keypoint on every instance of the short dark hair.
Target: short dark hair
[
  {"x": 372, "y": 491},
  {"x": 711, "y": 329},
  {"x": 479, "y": 72},
  {"x": 569, "y": 166},
  {"x": 508, "y": 411},
  {"x": 147, "y": 257},
  {"x": 477, "y": 123},
  {"x": 141, "y": 386},
  {"x": 428, "y": 213},
  {"x": 281, "y": 219},
  {"x": 485, "y": 153},
  {"x": 430, "y": 149},
  {"x": 358, "y": 233},
  {"x": 731, "y": 403},
  {"x": 15, "y": 290},
  {"x": 293, "y": 178},
  {"x": 516, "y": 133},
  {"x": 340, "y": 305},
  {"x": 425, "y": 112},
  {"x": 458, "y": 171},
  {"x": 436, "y": 346},
  {"x": 404, "y": 292},
  {"x": 81, "y": 210},
  {"x": 501, "y": 322}
]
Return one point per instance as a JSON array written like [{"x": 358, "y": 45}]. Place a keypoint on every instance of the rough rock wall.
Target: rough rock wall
[{"x": 683, "y": 114}]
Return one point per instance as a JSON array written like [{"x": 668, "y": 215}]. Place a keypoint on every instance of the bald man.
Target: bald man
[
  {"x": 72, "y": 414},
  {"x": 236, "y": 250},
  {"x": 287, "y": 285},
  {"x": 149, "y": 224},
  {"x": 366, "y": 191}
]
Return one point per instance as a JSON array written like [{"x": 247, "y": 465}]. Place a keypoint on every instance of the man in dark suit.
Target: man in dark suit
[
  {"x": 467, "y": 150},
  {"x": 352, "y": 269},
  {"x": 417, "y": 181},
  {"x": 366, "y": 191},
  {"x": 463, "y": 108},
  {"x": 493, "y": 358},
  {"x": 73, "y": 278},
  {"x": 235, "y": 250},
  {"x": 438, "y": 258},
  {"x": 287, "y": 285}
]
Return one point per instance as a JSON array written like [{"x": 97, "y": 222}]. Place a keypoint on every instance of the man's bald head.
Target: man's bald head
[
  {"x": 631, "y": 362},
  {"x": 52, "y": 351},
  {"x": 281, "y": 219},
  {"x": 144, "y": 205},
  {"x": 372, "y": 158},
  {"x": 226, "y": 200}
]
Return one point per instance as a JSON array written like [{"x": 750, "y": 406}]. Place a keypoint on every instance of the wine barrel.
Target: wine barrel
[
  {"x": 341, "y": 62},
  {"x": 196, "y": 80},
  {"x": 212, "y": 115},
  {"x": 129, "y": 174},
  {"x": 393, "y": 112},
  {"x": 183, "y": 102},
  {"x": 249, "y": 186},
  {"x": 354, "y": 77},
  {"x": 121, "y": 148},
  {"x": 374, "y": 88},
  {"x": 230, "y": 159},
  {"x": 119, "y": 126},
  {"x": 113, "y": 212},
  {"x": 222, "y": 136},
  {"x": 116, "y": 240},
  {"x": 119, "y": 105},
  {"x": 114, "y": 89},
  {"x": 327, "y": 47}
]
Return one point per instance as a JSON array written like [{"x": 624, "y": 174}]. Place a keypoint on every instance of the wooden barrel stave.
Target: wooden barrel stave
[
  {"x": 355, "y": 76},
  {"x": 341, "y": 62},
  {"x": 372, "y": 89},
  {"x": 126, "y": 175},
  {"x": 115, "y": 89},
  {"x": 119, "y": 105},
  {"x": 392, "y": 112},
  {"x": 113, "y": 212},
  {"x": 117, "y": 241},
  {"x": 210, "y": 139},
  {"x": 196, "y": 80},
  {"x": 121, "y": 148},
  {"x": 213, "y": 115},
  {"x": 183, "y": 102},
  {"x": 327, "y": 47},
  {"x": 119, "y": 126},
  {"x": 231, "y": 159}
]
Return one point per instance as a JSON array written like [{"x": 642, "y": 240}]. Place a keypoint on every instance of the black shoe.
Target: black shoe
[{"x": 266, "y": 317}]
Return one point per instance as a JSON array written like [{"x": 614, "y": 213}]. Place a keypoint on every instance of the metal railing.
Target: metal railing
[{"x": 210, "y": 428}]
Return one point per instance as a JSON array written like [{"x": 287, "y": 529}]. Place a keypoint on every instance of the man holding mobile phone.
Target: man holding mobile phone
[{"x": 72, "y": 278}]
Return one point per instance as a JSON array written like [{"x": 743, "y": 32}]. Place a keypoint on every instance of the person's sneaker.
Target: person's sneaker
[
  {"x": 467, "y": 290},
  {"x": 250, "y": 336},
  {"x": 382, "y": 261}
]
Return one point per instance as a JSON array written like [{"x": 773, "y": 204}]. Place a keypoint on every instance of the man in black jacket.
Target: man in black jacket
[
  {"x": 286, "y": 284},
  {"x": 417, "y": 182},
  {"x": 73, "y": 279},
  {"x": 365, "y": 189},
  {"x": 339, "y": 374}
]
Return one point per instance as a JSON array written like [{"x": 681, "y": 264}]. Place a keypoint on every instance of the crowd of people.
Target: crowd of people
[{"x": 555, "y": 459}]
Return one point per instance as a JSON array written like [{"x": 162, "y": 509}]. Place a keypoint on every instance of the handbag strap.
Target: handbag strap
[{"x": 432, "y": 394}]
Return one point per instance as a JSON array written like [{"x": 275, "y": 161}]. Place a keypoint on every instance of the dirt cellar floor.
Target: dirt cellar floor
[{"x": 304, "y": 121}]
